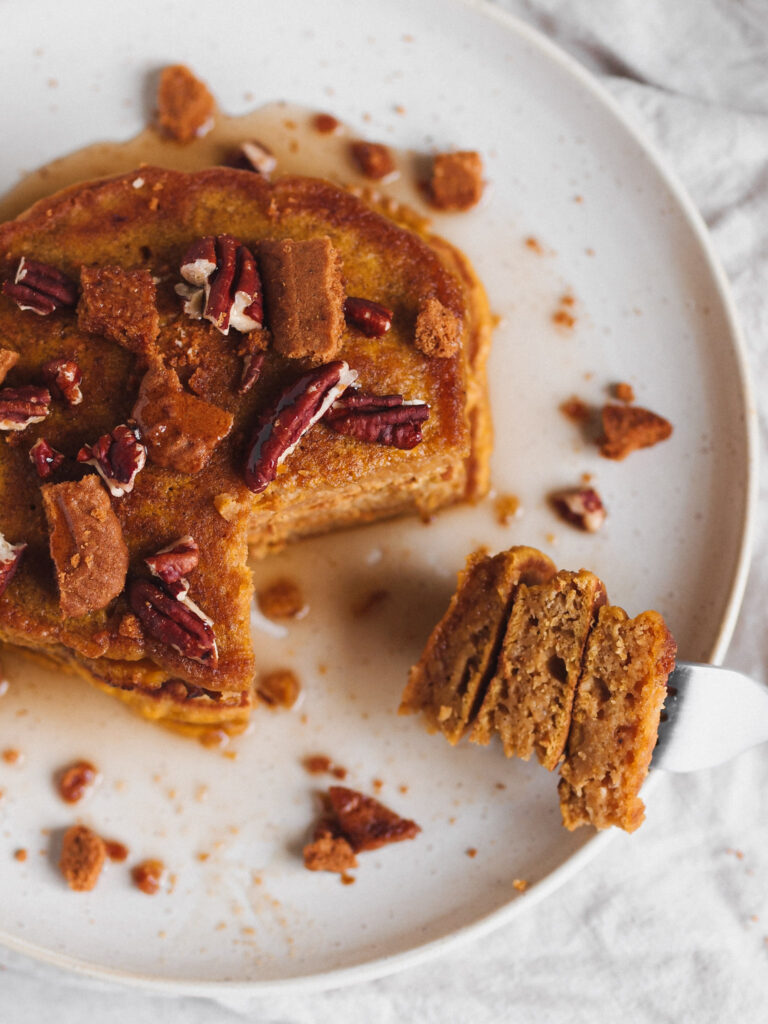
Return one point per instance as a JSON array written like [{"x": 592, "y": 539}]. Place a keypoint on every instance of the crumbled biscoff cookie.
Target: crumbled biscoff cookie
[
  {"x": 82, "y": 857},
  {"x": 457, "y": 180},
  {"x": 120, "y": 305},
  {"x": 438, "y": 330},
  {"x": 185, "y": 107}
]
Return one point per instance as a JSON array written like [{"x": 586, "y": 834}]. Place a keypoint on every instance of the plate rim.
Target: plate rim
[{"x": 387, "y": 965}]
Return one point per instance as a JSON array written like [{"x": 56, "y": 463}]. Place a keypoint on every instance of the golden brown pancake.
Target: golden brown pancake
[{"x": 147, "y": 220}]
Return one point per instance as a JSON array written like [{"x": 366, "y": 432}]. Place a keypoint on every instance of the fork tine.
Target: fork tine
[{"x": 711, "y": 714}]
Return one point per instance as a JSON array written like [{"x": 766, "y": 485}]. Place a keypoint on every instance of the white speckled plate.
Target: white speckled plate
[{"x": 651, "y": 308}]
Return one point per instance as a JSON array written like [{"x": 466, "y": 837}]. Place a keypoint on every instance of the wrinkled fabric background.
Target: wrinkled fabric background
[{"x": 670, "y": 925}]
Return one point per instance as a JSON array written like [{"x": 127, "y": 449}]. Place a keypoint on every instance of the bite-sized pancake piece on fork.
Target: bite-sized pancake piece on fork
[
  {"x": 448, "y": 683},
  {"x": 205, "y": 432},
  {"x": 615, "y": 720},
  {"x": 529, "y": 699}
]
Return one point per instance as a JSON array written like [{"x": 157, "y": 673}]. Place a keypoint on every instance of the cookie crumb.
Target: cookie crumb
[
  {"x": 624, "y": 392},
  {"x": 438, "y": 329},
  {"x": 279, "y": 688},
  {"x": 82, "y": 857},
  {"x": 185, "y": 107},
  {"x": 507, "y": 507},
  {"x": 282, "y": 599},
  {"x": 457, "y": 180}
]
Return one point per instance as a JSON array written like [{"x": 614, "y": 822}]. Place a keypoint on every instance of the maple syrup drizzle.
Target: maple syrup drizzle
[{"x": 289, "y": 132}]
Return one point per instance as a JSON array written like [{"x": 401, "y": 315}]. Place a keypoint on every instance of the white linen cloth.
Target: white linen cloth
[{"x": 670, "y": 925}]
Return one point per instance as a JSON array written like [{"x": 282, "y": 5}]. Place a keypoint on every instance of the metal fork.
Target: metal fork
[{"x": 711, "y": 714}]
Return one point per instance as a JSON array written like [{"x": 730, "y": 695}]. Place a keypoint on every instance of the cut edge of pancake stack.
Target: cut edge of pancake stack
[{"x": 540, "y": 659}]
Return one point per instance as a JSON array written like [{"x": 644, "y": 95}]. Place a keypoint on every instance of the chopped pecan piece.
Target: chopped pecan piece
[
  {"x": 75, "y": 781},
  {"x": 20, "y": 407},
  {"x": 63, "y": 377},
  {"x": 45, "y": 458},
  {"x": 120, "y": 305},
  {"x": 185, "y": 107},
  {"x": 365, "y": 823},
  {"x": 253, "y": 364},
  {"x": 627, "y": 428},
  {"x": 385, "y": 419},
  {"x": 180, "y": 624},
  {"x": 8, "y": 360},
  {"x": 82, "y": 857},
  {"x": 438, "y": 329},
  {"x": 304, "y": 297},
  {"x": 40, "y": 287},
  {"x": 253, "y": 156},
  {"x": 118, "y": 458},
  {"x": 223, "y": 284},
  {"x": 86, "y": 543},
  {"x": 580, "y": 506},
  {"x": 180, "y": 430},
  {"x": 149, "y": 876},
  {"x": 373, "y": 159},
  {"x": 370, "y": 318},
  {"x": 457, "y": 180},
  {"x": 10, "y": 560},
  {"x": 175, "y": 561},
  {"x": 281, "y": 427}
]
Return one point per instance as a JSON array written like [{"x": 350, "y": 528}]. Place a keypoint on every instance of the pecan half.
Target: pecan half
[
  {"x": 370, "y": 318},
  {"x": 40, "y": 287},
  {"x": 19, "y": 407},
  {"x": 10, "y": 559},
  {"x": 226, "y": 287},
  {"x": 253, "y": 156},
  {"x": 45, "y": 458},
  {"x": 381, "y": 419},
  {"x": 580, "y": 506},
  {"x": 179, "y": 624},
  {"x": 289, "y": 417},
  {"x": 63, "y": 377},
  {"x": 117, "y": 457},
  {"x": 173, "y": 562}
]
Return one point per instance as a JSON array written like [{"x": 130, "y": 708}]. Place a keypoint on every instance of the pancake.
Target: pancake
[{"x": 127, "y": 236}]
